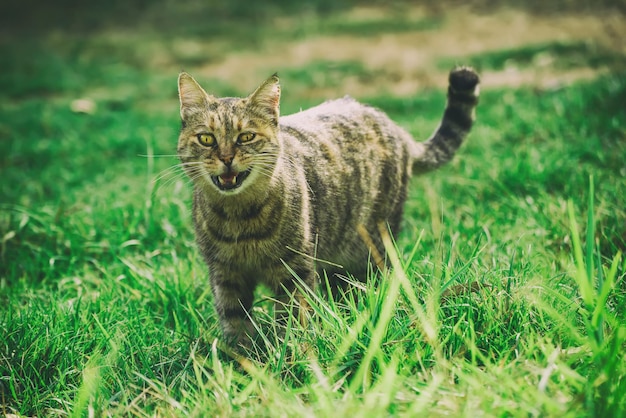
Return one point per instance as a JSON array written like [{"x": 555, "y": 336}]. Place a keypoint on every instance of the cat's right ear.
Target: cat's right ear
[
  {"x": 267, "y": 97},
  {"x": 192, "y": 97}
]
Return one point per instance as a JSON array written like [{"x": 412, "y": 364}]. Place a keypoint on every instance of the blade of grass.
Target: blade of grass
[
  {"x": 399, "y": 274},
  {"x": 590, "y": 240},
  {"x": 604, "y": 291},
  {"x": 581, "y": 277}
]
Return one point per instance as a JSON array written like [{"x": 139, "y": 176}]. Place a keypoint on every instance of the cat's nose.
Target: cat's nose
[{"x": 227, "y": 160}]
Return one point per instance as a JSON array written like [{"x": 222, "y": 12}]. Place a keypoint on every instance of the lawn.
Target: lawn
[{"x": 507, "y": 295}]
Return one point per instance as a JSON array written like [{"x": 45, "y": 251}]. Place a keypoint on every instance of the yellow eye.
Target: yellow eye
[
  {"x": 246, "y": 137},
  {"x": 208, "y": 140}
]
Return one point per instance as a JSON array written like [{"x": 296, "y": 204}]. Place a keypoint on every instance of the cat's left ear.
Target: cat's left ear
[
  {"x": 192, "y": 97},
  {"x": 267, "y": 97}
]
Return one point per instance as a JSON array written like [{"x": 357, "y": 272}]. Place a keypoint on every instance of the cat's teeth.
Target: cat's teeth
[{"x": 229, "y": 180}]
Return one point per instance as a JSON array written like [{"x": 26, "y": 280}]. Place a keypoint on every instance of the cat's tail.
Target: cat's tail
[{"x": 455, "y": 125}]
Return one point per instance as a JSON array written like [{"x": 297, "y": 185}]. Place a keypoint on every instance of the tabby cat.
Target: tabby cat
[{"x": 282, "y": 197}]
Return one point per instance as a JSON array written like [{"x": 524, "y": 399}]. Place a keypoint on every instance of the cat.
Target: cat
[{"x": 279, "y": 197}]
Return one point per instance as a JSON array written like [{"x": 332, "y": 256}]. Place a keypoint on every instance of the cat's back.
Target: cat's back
[
  {"x": 344, "y": 105},
  {"x": 356, "y": 161},
  {"x": 344, "y": 126},
  {"x": 345, "y": 112}
]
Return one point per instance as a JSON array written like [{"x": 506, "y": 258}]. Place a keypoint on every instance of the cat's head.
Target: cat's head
[{"x": 228, "y": 144}]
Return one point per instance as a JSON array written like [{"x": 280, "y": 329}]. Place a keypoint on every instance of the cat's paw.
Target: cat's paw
[{"x": 463, "y": 79}]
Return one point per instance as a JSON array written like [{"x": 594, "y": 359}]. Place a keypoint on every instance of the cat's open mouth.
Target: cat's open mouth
[{"x": 230, "y": 180}]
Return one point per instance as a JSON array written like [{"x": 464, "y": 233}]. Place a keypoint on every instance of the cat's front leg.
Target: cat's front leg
[
  {"x": 290, "y": 298},
  {"x": 233, "y": 297}
]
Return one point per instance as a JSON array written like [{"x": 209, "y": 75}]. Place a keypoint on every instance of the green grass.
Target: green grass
[
  {"x": 561, "y": 55},
  {"x": 507, "y": 297},
  {"x": 327, "y": 74}
]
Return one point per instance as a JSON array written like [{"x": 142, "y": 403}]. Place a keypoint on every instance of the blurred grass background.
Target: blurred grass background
[
  {"x": 103, "y": 300},
  {"x": 35, "y": 17}
]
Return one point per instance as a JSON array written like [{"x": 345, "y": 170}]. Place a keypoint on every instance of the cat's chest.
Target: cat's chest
[
  {"x": 238, "y": 223},
  {"x": 246, "y": 235},
  {"x": 233, "y": 241}
]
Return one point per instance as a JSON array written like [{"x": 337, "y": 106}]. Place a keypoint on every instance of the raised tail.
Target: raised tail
[{"x": 455, "y": 125}]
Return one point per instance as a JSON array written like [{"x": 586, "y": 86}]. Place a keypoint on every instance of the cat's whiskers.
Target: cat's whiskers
[
  {"x": 275, "y": 156},
  {"x": 196, "y": 175},
  {"x": 169, "y": 171},
  {"x": 264, "y": 166},
  {"x": 264, "y": 172},
  {"x": 180, "y": 171},
  {"x": 265, "y": 159},
  {"x": 160, "y": 155},
  {"x": 172, "y": 170}
]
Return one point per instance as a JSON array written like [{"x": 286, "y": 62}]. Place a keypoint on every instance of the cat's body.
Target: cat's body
[{"x": 281, "y": 197}]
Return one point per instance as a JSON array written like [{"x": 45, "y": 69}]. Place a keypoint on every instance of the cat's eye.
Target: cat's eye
[
  {"x": 245, "y": 137},
  {"x": 208, "y": 140}
]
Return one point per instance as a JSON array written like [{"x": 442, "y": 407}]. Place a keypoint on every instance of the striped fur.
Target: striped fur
[{"x": 277, "y": 196}]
